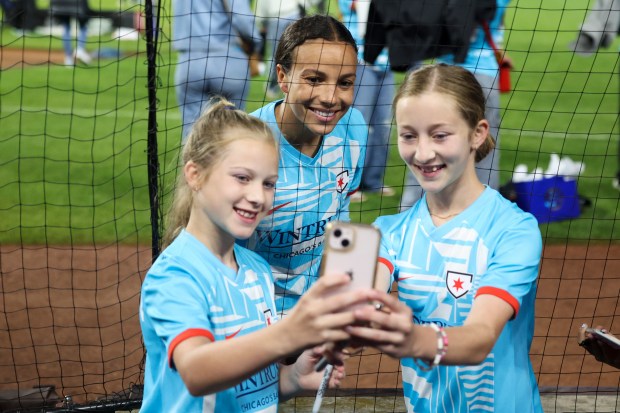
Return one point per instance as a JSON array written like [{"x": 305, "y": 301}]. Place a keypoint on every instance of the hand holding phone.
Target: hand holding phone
[
  {"x": 605, "y": 347},
  {"x": 352, "y": 249},
  {"x": 605, "y": 337}
]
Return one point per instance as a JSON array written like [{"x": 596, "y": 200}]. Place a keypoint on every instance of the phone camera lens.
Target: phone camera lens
[
  {"x": 345, "y": 242},
  {"x": 337, "y": 233}
]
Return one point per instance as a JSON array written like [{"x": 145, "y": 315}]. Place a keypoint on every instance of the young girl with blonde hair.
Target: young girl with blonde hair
[{"x": 212, "y": 335}]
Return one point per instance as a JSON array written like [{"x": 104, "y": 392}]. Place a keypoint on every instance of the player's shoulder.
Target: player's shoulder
[
  {"x": 266, "y": 112},
  {"x": 506, "y": 221},
  {"x": 353, "y": 126},
  {"x": 185, "y": 262},
  {"x": 507, "y": 213},
  {"x": 396, "y": 222},
  {"x": 353, "y": 118},
  {"x": 181, "y": 255}
]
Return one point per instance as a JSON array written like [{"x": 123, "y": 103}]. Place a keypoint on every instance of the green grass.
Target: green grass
[
  {"x": 72, "y": 154},
  {"x": 97, "y": 4},
  {"x": 73, "y": 142},
  {"x": 564, "y": 104}
]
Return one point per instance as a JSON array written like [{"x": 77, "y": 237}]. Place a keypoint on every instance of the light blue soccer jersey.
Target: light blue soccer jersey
[
  {"x": 490, "y": 248},
  {"x": 310, "y": 192},
  {"x": 188, "y": 292},
  {"x": 480, "y": 56}
]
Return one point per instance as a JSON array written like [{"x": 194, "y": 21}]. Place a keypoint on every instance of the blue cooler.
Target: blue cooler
[{"x": 549, "y": 199}]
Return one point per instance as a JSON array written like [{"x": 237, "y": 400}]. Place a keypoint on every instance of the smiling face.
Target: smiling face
[
  {"x": 437, "y": 144},
  {"x": 318, "y": 88},
  {"x": 237, "y": 192}
]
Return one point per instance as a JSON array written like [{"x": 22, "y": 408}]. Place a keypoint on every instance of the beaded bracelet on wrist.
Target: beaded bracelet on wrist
[{"x": 442, "y": 348}]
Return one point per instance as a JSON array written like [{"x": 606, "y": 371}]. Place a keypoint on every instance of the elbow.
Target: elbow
[
  {"x": 190, "y": 363},
  {"x": 482, "y": 351},
  {"x": 194, "y": 381},
  {"x": 198, "y": 388},
  {"x": 479, "y": 356},
  {"x": 194, "y": 391},
  {"x": 193, "y": 387},
  {"x": 200, "y": 383}
]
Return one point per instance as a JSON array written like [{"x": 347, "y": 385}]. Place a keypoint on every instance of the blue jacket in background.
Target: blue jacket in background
[{"x": 205, "y": 26}]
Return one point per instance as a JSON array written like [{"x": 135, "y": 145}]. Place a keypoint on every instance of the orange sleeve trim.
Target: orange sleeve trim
[
  {"x": 503, "y": 294},
  {"x": 387, "y": 263},
  {"x": 192, "y": 332}
]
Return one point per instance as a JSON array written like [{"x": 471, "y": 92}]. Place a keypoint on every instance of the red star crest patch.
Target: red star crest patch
[
  {"x": 342, "y": 181},
  {"x": 458, "y": 283}
]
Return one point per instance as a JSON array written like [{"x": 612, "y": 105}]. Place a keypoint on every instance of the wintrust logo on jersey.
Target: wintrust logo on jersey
[
  {"x": 255, "y": 393},
  {"x": 278, "y": 238}
]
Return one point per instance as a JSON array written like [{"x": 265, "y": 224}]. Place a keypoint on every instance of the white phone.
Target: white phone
[
  {"x": 353, "y": 249},
  {"x": 605, "y": 337}
]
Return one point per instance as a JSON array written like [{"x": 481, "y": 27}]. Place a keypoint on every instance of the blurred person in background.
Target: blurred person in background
[
  {"x": 64, "y": 11},
  {"x": 274, "y": 16},
  {"x": 214, "y": 39},
  {"x": 599, "y": 30},
  {"x": 373, "y": 97}
]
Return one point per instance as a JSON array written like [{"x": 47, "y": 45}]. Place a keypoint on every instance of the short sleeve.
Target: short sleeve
[
  {"x": 513, "y": 266},
  {"x": 175, "y": 303}
]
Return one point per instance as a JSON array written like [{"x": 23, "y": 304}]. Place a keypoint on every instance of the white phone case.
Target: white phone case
[{"x": 353, "y": 249}]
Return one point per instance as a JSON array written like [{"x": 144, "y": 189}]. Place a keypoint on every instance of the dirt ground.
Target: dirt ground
[
  {"x": 69, "y": 317},
  {"x": 11, "y": 57}
]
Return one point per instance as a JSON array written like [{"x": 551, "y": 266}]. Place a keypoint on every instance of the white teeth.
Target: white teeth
[
  {"x": 246, "y": 214},
  {"x": 325, "y": 114},
  {"x": 431, "y": 169}
]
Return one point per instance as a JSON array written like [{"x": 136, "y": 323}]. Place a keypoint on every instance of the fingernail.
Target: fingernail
[{"x": 584, "y": 325}]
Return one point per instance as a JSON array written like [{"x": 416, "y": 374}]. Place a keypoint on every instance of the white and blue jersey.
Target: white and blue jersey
[
  {"x": 490, "y": 248},
  {"x": 188, "y": 292},
  {"x": 310, "y": 192}
]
